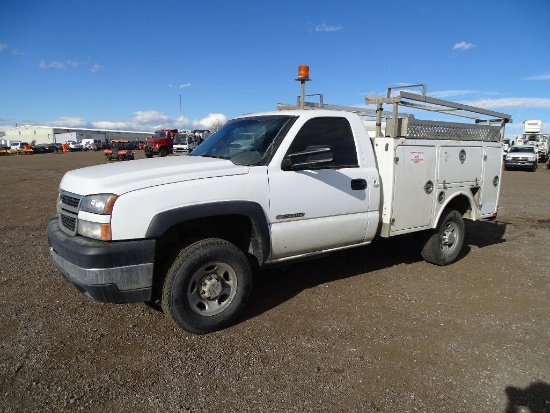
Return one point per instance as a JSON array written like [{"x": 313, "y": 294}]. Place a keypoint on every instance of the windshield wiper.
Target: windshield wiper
[{"x": 216, "y": 156}]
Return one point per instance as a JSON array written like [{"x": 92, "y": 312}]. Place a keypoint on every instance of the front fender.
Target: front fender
[{"x": 163, "y": 221}]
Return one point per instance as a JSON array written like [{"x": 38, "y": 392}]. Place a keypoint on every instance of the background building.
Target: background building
[{"x": 49, "y": 134}]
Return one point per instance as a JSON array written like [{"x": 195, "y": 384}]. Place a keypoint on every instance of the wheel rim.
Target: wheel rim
[
  {"x": 449, "y": 238},
  {"x": 212, "y": 288}
]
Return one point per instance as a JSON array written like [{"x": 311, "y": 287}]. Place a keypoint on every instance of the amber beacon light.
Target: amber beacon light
[
  {"x": 303, "y": 72},
  {"x": 303, "y": 77}
]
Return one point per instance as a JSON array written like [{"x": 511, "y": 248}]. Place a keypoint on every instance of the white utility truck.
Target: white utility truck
[
  {"x": 533, "y": 135},
  {"x": 269, "y": 188}
]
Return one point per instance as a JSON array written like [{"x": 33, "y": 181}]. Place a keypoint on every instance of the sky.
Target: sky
[{"x": 140, "y": 65}]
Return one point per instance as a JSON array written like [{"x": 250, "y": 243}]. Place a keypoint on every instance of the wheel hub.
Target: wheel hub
[
  {"x": 449, "y": 237},
  {"x": 211, "y": 287}
]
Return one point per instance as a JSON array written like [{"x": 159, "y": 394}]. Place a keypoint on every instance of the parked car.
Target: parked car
[
  {"x": 21, "y": 148},
  {"x": 44, "y": 148},
  {"x": 5, "y": 150},
  {"x": 15, "y": 146},
  {"x": 74, "y": 146},
  {"x": 521, "y": 157}
]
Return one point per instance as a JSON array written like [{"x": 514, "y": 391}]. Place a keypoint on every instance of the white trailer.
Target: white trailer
[{"x": 69, "y": 136}]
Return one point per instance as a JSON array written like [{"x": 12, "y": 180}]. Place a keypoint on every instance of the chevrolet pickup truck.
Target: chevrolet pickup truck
[{"x": 268, "y": 188}]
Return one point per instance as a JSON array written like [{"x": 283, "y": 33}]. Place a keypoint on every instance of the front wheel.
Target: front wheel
[
  {"x": 446, "y": 241},
  {"x": 163, "y": 152},
  {"x": 207, "y": 286}
]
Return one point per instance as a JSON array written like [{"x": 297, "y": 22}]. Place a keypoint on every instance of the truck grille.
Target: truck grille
[
  {"x": 68, "y": 222},
  {"x": 70, "y": 200},
  {"x": 68, "y": 212}
]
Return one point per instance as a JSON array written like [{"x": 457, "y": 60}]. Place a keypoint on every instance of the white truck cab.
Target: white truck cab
[
  {"x": 273, "y": 187},
  {"x": 184, "y": 143}
]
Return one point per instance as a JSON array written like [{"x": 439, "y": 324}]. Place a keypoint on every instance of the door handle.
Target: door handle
[{"x": 358, "y": 184}]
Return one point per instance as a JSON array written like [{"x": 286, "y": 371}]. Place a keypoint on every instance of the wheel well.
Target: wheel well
[
  {"x": 237, "y": 229},
  {"x": 461, "y": 203},
  {"x": 240, "y": 230}
]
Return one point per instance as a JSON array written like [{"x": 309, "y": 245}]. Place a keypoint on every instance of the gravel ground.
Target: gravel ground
[{"x": 372, "y": 329}]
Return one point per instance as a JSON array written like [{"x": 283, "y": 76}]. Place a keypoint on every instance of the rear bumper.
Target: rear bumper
[{"x": 117, "y": 272}]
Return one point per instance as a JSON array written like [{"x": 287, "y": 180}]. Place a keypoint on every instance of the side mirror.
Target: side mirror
[{"x": 314, "y": 157}]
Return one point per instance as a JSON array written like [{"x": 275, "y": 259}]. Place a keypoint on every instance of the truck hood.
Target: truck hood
[{"x": 121, "y": 177}]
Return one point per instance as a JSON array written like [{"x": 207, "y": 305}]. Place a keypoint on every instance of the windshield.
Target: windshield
[
  {"x": 159, "y": 135},
  {"x": 522, "y": 149},
  {"x": 121, "y": 145},
  {"x": 245, "y": 141},
  {"x": 125, "y": 145},
  {"x": 180, "y": 140}
]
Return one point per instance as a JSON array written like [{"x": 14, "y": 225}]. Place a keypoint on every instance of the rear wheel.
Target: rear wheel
[
  {"x": 445, "y": 243},
  {"x": 207, "y": 286},
  {"x": 163, "y": 152}
]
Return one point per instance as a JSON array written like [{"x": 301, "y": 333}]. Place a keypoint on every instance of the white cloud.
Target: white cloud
[
  {"x": 324, "y": 27},
  {"x": 74, "y": 63},
  {"x": 143, "y": 121},
  {"x": 182, "y": 86},
  {"x": 463, "y": 46},
  {"x": 211, "y": 120},
  {"x": 538, "y": 77},
  {"x": 96, "y": 68},
  {"x": 3, "y": 46},
  {"x": 17, "y": 52},
  {"x": 52, "y": 65},
  {"x": 70, "y": 122},
  {"x": 443, "y": 94},
  {"x": 148, "y": 117},
  {"x": 511, "y": 103},
  {"x": 112, "y": 125}
]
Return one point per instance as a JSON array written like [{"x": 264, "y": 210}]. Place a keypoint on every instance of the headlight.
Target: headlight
[
  {"x": 508, "y": 158},
  {"x": 98, "y": 204},
  {"x": 94, "y": 230},
  {"x": 94, "y": 220}
]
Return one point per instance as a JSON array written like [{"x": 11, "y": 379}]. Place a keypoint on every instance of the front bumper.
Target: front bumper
[
  {"x": 514, "y": 163},
  {"x": 150, "y": 150},
  {"x": 116, "y": 272},
  {"x": 180, "y": 151}
]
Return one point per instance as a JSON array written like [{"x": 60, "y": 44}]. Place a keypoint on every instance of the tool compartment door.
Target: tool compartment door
[
  {"x": 460, "y": 164},
  {"x": 415, "y": 170},
  {"x": 491, "y": 174}
]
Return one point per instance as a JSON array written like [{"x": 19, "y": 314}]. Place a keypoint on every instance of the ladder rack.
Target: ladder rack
[{"x": 403, "y": 125}]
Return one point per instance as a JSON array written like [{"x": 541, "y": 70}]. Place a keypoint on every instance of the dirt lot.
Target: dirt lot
[{"x": 372, "y": 329}]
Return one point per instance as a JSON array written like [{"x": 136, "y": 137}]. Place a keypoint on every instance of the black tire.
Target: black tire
[
  {"x": 445, "y": 244},
  {"x": 207, "y": 286},
  {"x": 148, "y": 155},
  {"x": 163, "y": 152},
  {"x": 534, "y": 168}
]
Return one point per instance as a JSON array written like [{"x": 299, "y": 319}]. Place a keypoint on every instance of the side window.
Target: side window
[{"x": 334, "y": 133}]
